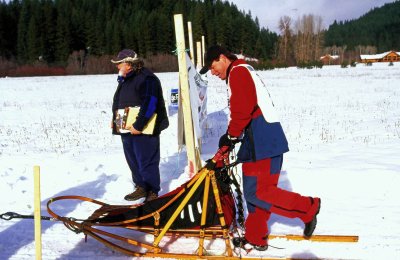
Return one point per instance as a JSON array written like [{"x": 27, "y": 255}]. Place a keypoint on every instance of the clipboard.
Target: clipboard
[{"x": 127, "y": 117}]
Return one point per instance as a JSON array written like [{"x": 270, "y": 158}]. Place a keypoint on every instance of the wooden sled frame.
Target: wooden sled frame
[{"x": 154, "y": 250}]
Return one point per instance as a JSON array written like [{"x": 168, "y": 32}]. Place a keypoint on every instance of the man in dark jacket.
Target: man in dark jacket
[
  {"x": 252, "y": 116},
  {"x": 139, "y": 87}
]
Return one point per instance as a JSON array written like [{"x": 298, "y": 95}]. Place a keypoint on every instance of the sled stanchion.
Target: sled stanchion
[
  {"x": 225, "y": 233},
  {"x": 204, "y": 215},
  {"x": 37, "y": 213}
]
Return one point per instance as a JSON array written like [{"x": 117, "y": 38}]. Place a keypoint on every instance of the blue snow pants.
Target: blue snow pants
[{"x": 142, "y": 153}]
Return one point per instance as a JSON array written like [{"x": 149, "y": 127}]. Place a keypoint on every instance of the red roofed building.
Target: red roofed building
[{"x": 330, "y": 59}]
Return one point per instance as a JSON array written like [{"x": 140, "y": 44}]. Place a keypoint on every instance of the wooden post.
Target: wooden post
[
  {"x": 193, "y": 157},
  {"x": 199, "y": 55},
  {"x": 191, "y": 42},
  {"x": 203, "y": 48},
  {"x": 37, "y": 213}
]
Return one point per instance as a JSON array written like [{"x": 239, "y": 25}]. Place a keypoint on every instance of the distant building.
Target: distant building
[
  {"x": 389, "y": 56},
  {"x": 330, "y": 59}
]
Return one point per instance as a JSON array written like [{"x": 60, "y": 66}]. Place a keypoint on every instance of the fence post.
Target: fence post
[
  {"x": 191, "y": 42},
  {"x": 37, "y": 213},
  {"x": 199, "y": 64},
  {"x": 192, "y": 154}
]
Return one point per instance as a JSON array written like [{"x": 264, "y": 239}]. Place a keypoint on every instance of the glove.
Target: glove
[
  {"x": 210, "y": 164},
  {"x": 227, "y": 140},
  {"x": 217, "y": 160}
]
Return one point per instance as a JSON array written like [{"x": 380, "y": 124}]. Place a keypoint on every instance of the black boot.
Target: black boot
[
  {"x": 310, "y": 226},
  {"x": 242, "y": 242}
]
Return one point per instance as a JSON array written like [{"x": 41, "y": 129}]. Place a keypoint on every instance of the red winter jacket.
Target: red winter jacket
[
  {"x": 243, "y": 100},
  {"x": 260, "y": 139}
]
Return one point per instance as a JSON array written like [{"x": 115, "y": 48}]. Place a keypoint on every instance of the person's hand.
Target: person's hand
[
  {"x": 122, "y": 71},
  {"x": 227, "y": 140},
  {"x": 217, "y": 160},
  {"x": 210, "y": 164},
  {"x": 133, "y": 130}
]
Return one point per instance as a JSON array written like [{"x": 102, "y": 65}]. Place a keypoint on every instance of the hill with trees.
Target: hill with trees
[
  {"x": 82, "y": 35},
  {"x": 379, "y": 28}
]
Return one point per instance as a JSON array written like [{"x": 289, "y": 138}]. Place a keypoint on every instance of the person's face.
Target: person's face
[
  {"x": 124, "y": 68},
  {"x": 218, "y": 67}
]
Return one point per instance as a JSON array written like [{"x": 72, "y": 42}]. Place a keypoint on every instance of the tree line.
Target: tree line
[{"x": 65, "y": 32}]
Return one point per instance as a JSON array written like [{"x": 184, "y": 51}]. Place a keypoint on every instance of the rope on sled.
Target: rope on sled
[
  {"x": 10, "y": 215},
  {"x": 67, "y": 221}
]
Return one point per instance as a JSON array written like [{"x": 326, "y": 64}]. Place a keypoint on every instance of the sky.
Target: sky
[{"x": 270, "y": 11}]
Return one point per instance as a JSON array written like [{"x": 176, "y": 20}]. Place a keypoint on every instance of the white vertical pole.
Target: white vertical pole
[
  {"x": 203, "y": 47},
  {"x": 199, "y": 55},
  {"x": 37, "y": 213},
  {"x": 191, "y": 42},
  {"x": 193, "y": 157}
]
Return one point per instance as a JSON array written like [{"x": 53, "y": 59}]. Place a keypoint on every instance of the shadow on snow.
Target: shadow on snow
[{"x": 22, "y": 233}]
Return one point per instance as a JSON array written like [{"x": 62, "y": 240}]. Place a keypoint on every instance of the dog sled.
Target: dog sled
[{"x": 203, "y": 207}]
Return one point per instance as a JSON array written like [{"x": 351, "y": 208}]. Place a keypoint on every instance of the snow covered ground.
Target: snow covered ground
[{"x": 343, "y": 128}]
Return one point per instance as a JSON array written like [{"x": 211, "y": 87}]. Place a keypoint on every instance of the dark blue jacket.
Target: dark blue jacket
[{"x": 141, "y": 89}]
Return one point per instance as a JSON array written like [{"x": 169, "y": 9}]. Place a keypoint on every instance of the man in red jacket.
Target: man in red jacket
[{"x": 254, "y": 122}]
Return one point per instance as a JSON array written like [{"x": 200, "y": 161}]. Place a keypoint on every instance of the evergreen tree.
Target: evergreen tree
[
  {"x": 99, "y": 27},
  {"x": 63, "y": 30},
  {"x": 9, "y": 14},
  {"x": 23, "y": 21},
  {"x": 32, "y": 44},
  {"x": 165, "y": 35},
  {"x": 198, "y": 21},
  {"x": 47, "y": 30},
  {"x": 150, "y": 33},
  {"x": 116, "y": 39},
  {"x": 3, "y": 20}
]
